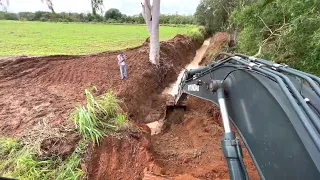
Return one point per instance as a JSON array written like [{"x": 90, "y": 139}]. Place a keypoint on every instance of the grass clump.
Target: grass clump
[
  {"x": 101, "y": 114},
  {"x": 21, "y": 162},
  {"x": 70, "y": 168},
  {"x": 196, "y": 33}
]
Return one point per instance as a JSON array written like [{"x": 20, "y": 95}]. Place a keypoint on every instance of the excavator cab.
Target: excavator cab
[{"x": 274, "y": 108}]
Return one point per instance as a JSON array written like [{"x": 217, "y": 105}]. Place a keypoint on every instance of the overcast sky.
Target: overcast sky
[{"x": 129, "y": 7}]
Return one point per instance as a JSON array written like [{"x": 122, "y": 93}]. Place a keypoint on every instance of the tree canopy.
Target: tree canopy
[
  {"x": 83, "y": 17},
  {"x": 214, "y": 14},
  {"x": 285, "y": 31},
  {"x": 113, "y": 14},
  {"x": 96, "y": 5}
]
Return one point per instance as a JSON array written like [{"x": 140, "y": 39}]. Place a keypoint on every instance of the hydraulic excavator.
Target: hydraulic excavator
[{"x": 274, "y": 108}]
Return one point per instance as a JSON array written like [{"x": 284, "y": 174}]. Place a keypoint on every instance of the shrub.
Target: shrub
[
  {"x": 202, "y": 29},
  {"x": 195, "y": 34}
]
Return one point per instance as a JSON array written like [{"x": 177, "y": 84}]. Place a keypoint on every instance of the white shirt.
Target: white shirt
[{"x": 121, "y": 60}]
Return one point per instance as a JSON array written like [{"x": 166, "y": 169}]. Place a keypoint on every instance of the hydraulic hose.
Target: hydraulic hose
[
  {"x": 263, "y": 61},
  {"x": 279, "y": 67},
  {"x": 315, "y": 78},
  {"x": 309, "y": 127},
  {"x": 310, "y": 113},
  {"x": 241, "y": 160}
]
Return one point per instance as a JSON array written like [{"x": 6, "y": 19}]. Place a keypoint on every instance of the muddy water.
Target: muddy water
[{"x": 172, "y": 89}]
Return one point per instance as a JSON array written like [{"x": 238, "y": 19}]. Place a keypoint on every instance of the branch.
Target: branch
[
  {"x": 276, "y": 32},
  {"x": 143, "y": 12},
  {"x": 97, "y": 5},
  {"x": 265, "y": 24},
  {"x": 49, "y": 4},
  {"x": 226, "y": 10},
  {"x": 4, "y": 5},
  {"x": 148, "y": 9},
  {"x": 146, "y": 13}
]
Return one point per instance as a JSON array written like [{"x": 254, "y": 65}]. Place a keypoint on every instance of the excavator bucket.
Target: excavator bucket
[
  {"x": 171, "y": 104},
  {"x": 174, "y": 112}
]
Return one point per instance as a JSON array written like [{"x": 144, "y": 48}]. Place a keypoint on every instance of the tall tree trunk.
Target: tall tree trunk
[
  {"x": 151, "y": 14},
  {"x": 154, "y": 38}
]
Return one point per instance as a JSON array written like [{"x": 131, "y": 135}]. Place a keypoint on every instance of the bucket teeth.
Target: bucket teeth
[{"x": 170, "y": 103}]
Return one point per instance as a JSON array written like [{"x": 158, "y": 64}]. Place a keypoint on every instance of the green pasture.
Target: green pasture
[{"x": 48, "y": 38}]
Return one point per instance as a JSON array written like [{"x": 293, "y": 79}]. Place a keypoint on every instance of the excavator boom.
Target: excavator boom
[{"x": 275, "y": 109}]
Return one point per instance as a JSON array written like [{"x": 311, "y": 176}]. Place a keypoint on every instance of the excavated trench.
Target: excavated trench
[
  {"x": 185, "y": 145},
  {"x": 40, "y": 92},
  {"x": 172, "y": 89}
]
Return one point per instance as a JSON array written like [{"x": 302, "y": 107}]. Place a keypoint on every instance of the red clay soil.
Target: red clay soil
[
  {"x": 188, "y": 149},
  {"x": 192, "y": 147},
  {"x": 217, "y": 42},
  {"x": 32, "y": 89},
  {"x": 48, "y": 88},
  {"x": 120, "y": 158}
]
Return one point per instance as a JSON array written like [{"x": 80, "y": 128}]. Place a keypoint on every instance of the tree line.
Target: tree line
[
  {"x": 285, "y": 31},
  {"x": 110, "y": 16}
]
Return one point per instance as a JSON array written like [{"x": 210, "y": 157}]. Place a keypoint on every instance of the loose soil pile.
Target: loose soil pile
[
  {"x": 43, "y": 90},
  {"x": 193, "y": 147},
  {"x": 33, "y": 89},
  {"x": 218, "y": 42}
]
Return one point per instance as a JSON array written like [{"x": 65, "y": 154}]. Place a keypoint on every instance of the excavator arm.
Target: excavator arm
[{"x": 275, "y": 109}]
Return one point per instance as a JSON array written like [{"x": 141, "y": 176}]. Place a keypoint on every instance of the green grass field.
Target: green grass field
[{"x": 45, "y": 38}]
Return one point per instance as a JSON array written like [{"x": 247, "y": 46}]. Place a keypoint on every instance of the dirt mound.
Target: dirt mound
[
  {"x": 150, "y": 82},
  {"x": 219, "y": 40},
  {"x": 123, "y": 158},
  {"x": 33, "y": 90},
  {"x": 37, "y": 89},
  {"x": 193, "y": 147},
  {"x": 49, "y": 87}
]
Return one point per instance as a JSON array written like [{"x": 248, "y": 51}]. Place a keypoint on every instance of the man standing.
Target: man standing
[{"x": 122, "y": 64}]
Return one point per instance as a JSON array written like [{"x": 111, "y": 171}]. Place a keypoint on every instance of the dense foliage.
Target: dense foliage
[
  {"x": 214, "y": 14},
  {"x": 110, "y": 16},
  {"x": 286, "y": 31}
]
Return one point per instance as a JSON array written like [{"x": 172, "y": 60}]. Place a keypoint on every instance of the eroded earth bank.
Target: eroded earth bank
[{"x": 38, "y": 93}]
